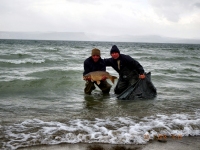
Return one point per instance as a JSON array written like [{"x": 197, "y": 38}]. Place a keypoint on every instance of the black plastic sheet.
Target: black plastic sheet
[{"x": 142, "y": 89}]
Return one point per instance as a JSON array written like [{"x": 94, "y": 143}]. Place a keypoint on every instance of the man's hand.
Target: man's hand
[
  {"x": 142, "y": 76},
  {"x": 86, "y": 78},
  {"x": 104, "y": 78}
]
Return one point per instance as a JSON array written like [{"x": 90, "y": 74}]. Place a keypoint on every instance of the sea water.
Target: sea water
[{"x": 42, "y": 100}]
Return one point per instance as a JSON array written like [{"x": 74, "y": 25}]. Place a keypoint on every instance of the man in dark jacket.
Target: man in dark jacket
[
  {"x": 95, "y": 63},
  {"x": 128, "y": 68}
]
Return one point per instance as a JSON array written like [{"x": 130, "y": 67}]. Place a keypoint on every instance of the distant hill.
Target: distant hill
[
  {"x": 81, "y": 36},
  {"x": 77, "y": 36},
  {"x": 144, "y": 38}
]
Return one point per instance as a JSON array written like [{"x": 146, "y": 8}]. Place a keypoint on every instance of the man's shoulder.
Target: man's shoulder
[
  {"x": 101, "y": 61},
  {"x": 88, "y": 59},
  {"x": 123, "y": 56},
  {"x": 107, "y": 59}
]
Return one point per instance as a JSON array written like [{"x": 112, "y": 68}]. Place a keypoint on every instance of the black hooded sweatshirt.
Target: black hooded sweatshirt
[{"x": 126, "y": 62}]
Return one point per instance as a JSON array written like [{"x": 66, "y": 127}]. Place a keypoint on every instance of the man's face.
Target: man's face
[
  {"x": 95, "y": 58},
  {"x": 115, "y": 55}
]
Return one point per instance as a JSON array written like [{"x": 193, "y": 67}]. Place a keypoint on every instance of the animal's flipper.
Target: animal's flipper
[
  {"x": 98, "y": 82},
  {"x": 112, "y": 78}
]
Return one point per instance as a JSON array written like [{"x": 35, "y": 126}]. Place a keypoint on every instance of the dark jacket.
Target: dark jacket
[
  {"x": 90, "y": 65},
  {"x": 126, "y": 62}
]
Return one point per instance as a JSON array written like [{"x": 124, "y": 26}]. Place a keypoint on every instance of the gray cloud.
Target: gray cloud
[
  {"x": 197, "y": 5},
  {"x": 174, "y": 10},
  {"x": 113, "y": 17}
]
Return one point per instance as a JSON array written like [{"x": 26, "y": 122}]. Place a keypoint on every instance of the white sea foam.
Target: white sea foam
[
  {"x": 23, "y": 61},
  {"x": 117, "y": 130}
]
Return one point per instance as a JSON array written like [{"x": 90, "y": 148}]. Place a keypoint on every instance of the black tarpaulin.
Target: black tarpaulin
[{"x": 142, "y": 89}]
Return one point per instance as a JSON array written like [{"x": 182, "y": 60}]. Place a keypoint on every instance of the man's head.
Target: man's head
[
  {"x": 95, "y": 54},
  {"x": 114, "y": 52}
]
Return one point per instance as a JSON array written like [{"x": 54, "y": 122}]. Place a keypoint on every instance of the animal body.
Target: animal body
[{"x": 97, "y": 76}]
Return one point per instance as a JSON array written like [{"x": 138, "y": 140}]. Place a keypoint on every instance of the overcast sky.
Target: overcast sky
[{"x": 171, "y": 18}]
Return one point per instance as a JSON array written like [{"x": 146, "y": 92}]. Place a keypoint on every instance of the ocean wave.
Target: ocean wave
[
  {"x": 57, "y": 72},
  {"x": 119, "y": 130},
  {"x": 15, "y": 56},
  {"x": 24, "y": 61},
  {"x": 42, "y": 81}
]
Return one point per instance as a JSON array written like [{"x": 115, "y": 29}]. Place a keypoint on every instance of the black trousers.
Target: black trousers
[
  {"x": 126, "y": 79},
  {"x": 104, "y": 86}
]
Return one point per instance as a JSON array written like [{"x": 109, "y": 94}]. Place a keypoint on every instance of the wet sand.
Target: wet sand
[{"x": 185, "y": 143}]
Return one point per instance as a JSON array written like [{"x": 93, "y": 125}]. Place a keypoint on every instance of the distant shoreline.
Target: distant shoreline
[
  {"x": 81, "y": 36},
  {"x": 98, "y": 41}
]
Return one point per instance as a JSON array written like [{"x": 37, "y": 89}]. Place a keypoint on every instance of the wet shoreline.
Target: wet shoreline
[{"x": 183, "y": 143}]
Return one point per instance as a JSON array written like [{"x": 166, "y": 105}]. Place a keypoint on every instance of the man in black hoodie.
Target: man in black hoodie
[
  {"x": 95, "y": 63},
  {"x": 128, "y": 68}
]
